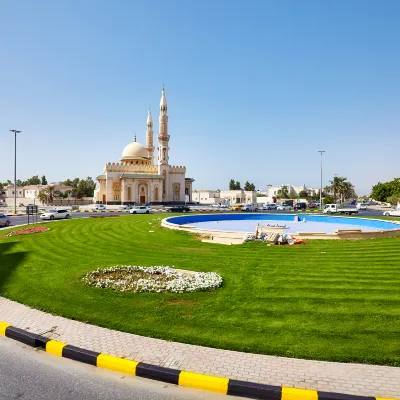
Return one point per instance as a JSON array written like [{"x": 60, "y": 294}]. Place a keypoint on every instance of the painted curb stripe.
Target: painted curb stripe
[
  {"x": 340, "y": 396},
  {"x": 205, "y": 382},
  {"x": 189, "y": 379},
  {"x": 158, "y": 373},
  {"x": 54, "y": 347},
  {"x": 3, "y": 327},
  {"x": 78, "y": 354},
  {"x": 117, "y": 364},
  {"x": 254, "y": 390},
  {"x": 298, "y": 394},
  {"x": 25, "y": 337}
]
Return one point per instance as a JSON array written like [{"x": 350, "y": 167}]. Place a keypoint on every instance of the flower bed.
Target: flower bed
[
  {"x": 29, "y": 231},
  {"x": 156, "y": 279}
]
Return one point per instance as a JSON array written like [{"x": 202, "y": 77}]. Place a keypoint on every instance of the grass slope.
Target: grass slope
[{"x": 326, "y": 300}]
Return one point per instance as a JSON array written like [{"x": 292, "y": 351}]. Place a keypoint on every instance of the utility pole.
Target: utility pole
[
  {"x": 320, "y": 190},
  {"x": 15, "y": 168}
]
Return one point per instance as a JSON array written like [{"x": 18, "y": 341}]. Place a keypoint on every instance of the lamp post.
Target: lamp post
[
  {"x": 15, "y": 168},
  {"x": 320, "y": 190}
]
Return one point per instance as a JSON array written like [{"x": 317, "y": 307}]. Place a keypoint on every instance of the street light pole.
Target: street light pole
[
  {"x": 320, "y": 190},
  {"x": 15, "y": 168}
]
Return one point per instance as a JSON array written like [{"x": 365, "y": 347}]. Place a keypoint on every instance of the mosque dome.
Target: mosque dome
[{"x": 134, "y": 151}]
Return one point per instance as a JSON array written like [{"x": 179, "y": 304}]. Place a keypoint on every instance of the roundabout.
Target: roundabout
[{"x": 328, "y": 300}]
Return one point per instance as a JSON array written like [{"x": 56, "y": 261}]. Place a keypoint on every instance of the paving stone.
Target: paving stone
[{"x": 357, "y": 379}]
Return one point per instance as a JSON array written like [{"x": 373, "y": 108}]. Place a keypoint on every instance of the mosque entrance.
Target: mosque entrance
[{"x": 142, "y": 199}]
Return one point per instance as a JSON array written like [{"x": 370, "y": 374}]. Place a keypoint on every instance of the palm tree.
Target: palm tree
[
  {"x": 336, "y": 186},
  {"x": 47, "y": 195}
]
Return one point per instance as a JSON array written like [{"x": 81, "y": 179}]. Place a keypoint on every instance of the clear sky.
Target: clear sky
[{"x": 254, "y": 88}]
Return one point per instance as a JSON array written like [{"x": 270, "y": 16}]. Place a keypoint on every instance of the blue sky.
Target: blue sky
[{"x": 254, "y": 88}]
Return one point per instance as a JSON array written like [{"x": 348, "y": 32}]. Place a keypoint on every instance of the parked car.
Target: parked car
[
  {"x": 312, "y": 205},
  {"x": 270, "y": 207},
  {"x": 249, "y": 207},
  {"x": 178, "y": 209},
  {"x": 300, "y": 206},
  {"x": 140, "y": 210},
  {"x": 4, "y": 220},
  {"x": 284, "y": 207},
  {"x": 56, "y": 214},
  {"x": 362, "y": 206},
  {"x": 236, "y": 208},
  {"x": 392, "y": 213},
  {"x": 99, "y": 207}
]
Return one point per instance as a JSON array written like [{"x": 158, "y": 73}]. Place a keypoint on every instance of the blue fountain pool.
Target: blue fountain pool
[{"x": 307, "y": 223}]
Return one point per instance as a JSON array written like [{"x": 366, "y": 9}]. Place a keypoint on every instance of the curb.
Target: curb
[{"x": 193, "y": 380}]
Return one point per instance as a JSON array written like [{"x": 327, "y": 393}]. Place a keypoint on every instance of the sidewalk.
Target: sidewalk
[{"x": 356, "y": 379}]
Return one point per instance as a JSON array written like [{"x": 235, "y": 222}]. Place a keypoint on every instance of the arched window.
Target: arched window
[{"x": 156, "y": 193}]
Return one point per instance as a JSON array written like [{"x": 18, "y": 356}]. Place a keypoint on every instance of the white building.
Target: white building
[
  {"x": 229, "y": 197},
  {"x": 27, "y": 194},
  {"x": 137, "y": 179},
  {"x": 273, "y": 190}
]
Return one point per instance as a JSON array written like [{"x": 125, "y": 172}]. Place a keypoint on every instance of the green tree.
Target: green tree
[
  {"x": 328, "y": 199},
  {"x": 232, "y": 184},
  {"x": 249, "y": 187},
  {"x": 393, "y": 200},
  {"x": 33, "y": 181},
  {"x": 383, "y": 191},
  {"x": 303, "y": 194},
  {"x": 43, "y": 180},
  {"x": 47, "y": 195},
  {"x": 237, "y": 185},
  {"x": 283, "y": 192}
]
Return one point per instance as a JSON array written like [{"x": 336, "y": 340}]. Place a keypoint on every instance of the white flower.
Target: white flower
[{"x": 152, "y": 279}]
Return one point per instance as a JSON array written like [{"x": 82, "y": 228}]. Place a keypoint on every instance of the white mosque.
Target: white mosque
[{"x": 137, "y": 179}]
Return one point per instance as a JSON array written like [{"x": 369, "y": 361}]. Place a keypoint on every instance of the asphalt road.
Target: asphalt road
[
  {"x": 24, "y": 220},
  {"x": 26, "y": 373}
]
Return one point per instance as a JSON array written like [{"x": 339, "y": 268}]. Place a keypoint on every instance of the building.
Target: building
[
  {"x": 138, "y": 179},
  {"x": 27, "y": 194},
  {"x": 273, "y": 190},
  {"x": 228, "y": 197}
]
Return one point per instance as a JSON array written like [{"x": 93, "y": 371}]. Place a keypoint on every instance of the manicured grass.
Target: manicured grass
[{"x": 326, "y": 300}]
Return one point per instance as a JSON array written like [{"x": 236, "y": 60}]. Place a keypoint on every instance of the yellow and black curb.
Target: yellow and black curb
[{"x": 227, "y": 386}]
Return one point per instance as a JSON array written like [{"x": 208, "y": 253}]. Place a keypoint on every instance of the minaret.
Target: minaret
[
  {"x": 149, "y": 136},
  {"x": 163, "y": 137}
]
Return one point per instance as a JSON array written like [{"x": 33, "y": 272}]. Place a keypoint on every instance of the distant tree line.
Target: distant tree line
[
  {"x": 35, "y": 180},
  {"x": 80, "y": 188}
]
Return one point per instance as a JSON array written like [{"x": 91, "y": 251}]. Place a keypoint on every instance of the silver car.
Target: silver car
[
  {"x": 56, "y": 214},
  {"x": 4, "y": 220}
]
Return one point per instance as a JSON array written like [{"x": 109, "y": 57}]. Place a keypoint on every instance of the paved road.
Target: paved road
[
  {"x": 31, "y": 374},
  {"x": 24, "y": 220}
]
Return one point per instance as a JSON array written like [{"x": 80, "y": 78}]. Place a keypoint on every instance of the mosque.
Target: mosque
[{"x": 137, "y": 179}]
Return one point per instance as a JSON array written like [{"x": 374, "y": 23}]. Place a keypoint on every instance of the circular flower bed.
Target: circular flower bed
[
  {"x": 152, "y": 279},
  {"x": 29, "y": 231}
]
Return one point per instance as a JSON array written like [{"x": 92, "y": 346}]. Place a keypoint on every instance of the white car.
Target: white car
[
  {"x": 270, "y": 207},
  {"x": 283, "y": 207},
  {"x": 56, "y": 214},
  {"x": 392, "y": 213},
  {"x": 99, "y": 207},
  {"x": 361, "y": 206},
  {"x": 140, "y": 210}
]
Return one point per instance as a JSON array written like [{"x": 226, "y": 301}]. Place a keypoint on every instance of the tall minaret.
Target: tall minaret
[
  {"x": 149, "y": 136},
  {"x": 163, "y": 137}
]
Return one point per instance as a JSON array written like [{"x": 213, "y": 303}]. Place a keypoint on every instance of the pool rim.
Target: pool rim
[{"x": 342, "y": 234}]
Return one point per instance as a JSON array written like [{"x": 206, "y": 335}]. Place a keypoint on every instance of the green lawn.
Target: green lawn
[{"x": 326, "y": 300}]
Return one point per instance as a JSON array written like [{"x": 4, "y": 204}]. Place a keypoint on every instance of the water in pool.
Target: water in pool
[{"x": 306, "y": 223}]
